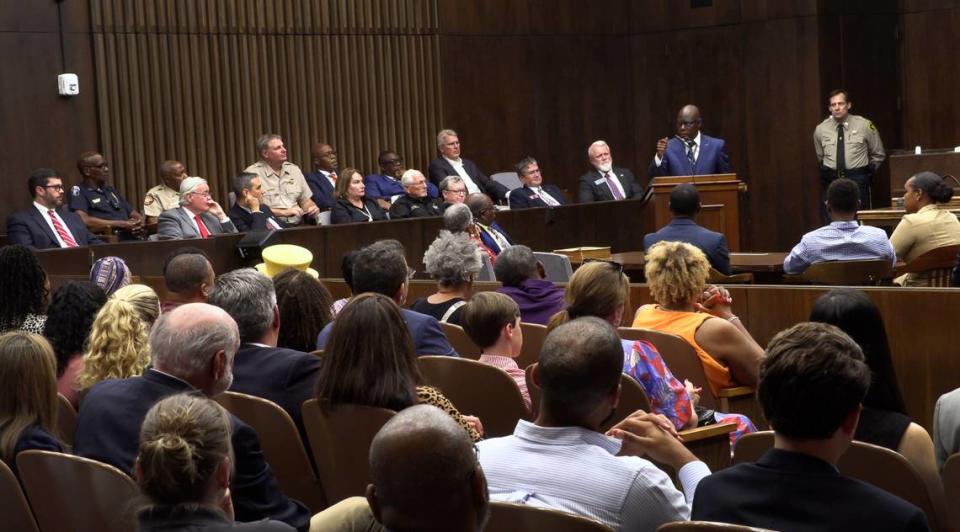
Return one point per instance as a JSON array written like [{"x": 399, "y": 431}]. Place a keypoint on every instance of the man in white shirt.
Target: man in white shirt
[
  {"x": 45, "y": 225},
  {"x": 561, "y": 461},
  {"x": 198, "y": 216},
  {"x": 450, "y": 163}
]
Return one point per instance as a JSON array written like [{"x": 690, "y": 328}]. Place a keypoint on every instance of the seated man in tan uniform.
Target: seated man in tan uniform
[
  {"x": 166, "y": 195},
  {"x": 285, "y": 190}
]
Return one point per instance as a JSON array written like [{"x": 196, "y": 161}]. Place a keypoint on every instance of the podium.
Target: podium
[
  {"x": 719, "y": 197},
  {"x": 905, "y": 164}
]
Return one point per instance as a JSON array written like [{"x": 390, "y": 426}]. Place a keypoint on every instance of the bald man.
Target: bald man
[
  {"x": 323, "y": 179},
  {"x": 425, "y": 477},
  {"x": 166, "y": 195},
  {"x": 690, "y": 152}
]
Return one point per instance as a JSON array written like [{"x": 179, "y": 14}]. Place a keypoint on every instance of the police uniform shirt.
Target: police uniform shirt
[
  {"x": 861, "y": 142},
  {"x": 282, "y": 190},
  {"x": 104, "y": 202},
  {"x": 159, "y": 199}
]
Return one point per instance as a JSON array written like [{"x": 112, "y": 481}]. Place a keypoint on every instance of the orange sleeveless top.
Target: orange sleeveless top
[{"x": 685, "y": 324}]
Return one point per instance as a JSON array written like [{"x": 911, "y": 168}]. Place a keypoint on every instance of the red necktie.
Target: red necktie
[
  {"x": 203, "y": 229},
  {"x": 62, "y": 231},
  {"x": 333, "y": 177}
]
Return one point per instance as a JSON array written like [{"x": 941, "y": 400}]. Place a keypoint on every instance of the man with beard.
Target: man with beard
[
  {"x": 45, "y": 225},
  {"x": 606, "y": 182}
]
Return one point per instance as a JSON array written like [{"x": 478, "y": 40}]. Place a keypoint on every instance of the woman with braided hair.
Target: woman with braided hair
[{"x": 23, "y": 291}]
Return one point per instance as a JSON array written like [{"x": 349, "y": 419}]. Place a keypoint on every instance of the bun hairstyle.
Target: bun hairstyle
[
  {"x": 183, "y": 440},
  {"x": 932, "y": 185},
  {"x": 595, "y": 289}
]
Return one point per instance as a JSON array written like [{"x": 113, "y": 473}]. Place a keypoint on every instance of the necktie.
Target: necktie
[
  {"x": 613, "y": 186},
  {"x": 61, "y": 230},
  {"x": 333, "y": 177},
  {"x": 203, "y": 229},
  {"x": 841, "y": 152},
  {"x": 690, "y": 157}
]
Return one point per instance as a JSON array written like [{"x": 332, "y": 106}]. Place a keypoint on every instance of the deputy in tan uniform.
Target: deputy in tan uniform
[
  {"x": 167, "y": 194},
  {"x": 862, "y": 150},
  {"x": 285, "y": 190}
]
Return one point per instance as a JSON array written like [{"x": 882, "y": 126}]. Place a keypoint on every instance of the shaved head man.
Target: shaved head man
[
  {"x": 323, "y": 179},
  {"x": 166, "y": 195},
  {"x": 690, "y": 152}
]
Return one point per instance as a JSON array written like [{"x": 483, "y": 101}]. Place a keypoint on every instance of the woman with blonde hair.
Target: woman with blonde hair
[
  {"x": 28, "y": 396},
  {"x": 184, "y": 464},
  {"x": 117, "y": 347},
  {"x": 677, "y": 273}
]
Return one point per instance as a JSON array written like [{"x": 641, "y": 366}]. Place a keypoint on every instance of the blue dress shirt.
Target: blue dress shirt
[{"x": 839, "y": 241}]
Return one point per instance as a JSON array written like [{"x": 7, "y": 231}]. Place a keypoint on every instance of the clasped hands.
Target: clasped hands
[{"x": 653, "y": 436}]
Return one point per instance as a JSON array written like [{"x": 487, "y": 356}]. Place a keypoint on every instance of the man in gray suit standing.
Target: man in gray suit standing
[{"x": 198, "y": 215}]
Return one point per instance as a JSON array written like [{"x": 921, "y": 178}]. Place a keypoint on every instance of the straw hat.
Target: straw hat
[{"x": 280, "y": 257}]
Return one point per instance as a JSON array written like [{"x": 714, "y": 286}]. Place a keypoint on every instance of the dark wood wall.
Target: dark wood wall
[{"x": 514, "y": 77}]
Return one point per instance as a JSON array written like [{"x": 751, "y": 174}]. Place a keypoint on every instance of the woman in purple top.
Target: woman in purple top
[{"x": 523, "y": 280}]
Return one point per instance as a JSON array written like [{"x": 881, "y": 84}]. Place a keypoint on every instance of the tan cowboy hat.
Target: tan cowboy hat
[{"x": 280, "y": 257}]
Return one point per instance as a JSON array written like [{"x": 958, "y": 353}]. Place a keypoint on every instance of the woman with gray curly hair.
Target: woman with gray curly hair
[{"x": 452, "y": 260}]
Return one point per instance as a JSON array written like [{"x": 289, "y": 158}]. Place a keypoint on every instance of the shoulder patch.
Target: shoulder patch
[
  {"x": 871, "y": 126},
  {"x": 75, "y": 190},
  {"x": 148, "y": 200}
]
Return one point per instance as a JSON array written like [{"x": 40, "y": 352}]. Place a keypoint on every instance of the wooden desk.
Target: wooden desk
[{"x": 767, "y": 265}]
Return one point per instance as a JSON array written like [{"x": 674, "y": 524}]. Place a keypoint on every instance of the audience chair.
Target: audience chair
[
  {"x": 845, "y": 273},
  {"x": 486, "y": 272},
  {"x": 511, "y": 180},
  {"x": 340, "y": 440},
  {"x": 281, "y": 444},
  {"x": 525, "y": 518},
  {"x": 685, "y": 364},
  {"x": 71, "y": 493},
  {"x": 951, "y": 486},
  {"x": 477, "y": 389},
  {"x": 716, "y": 277},
  {"x": 533, "y": 390},
  {"x": 533, "y": 336},
  {"x": 937, "y": 264},
  {"x": 13, "y": 504},
  {"x": 556, "y": 266},
  {"x": 324, "y": 217},
  {"x": 885, "y": 469},
  {"x": 460, "y": 341},
  {"x": 707, "y": 526},
  {"x": 66, "y": 419}
]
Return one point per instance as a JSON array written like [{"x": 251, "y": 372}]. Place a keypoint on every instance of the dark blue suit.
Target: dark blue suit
[
  {"x": 381, "y": 186},
  {"x": 489, "y": 240},
  {"x": 711, "y": 159},
  {"x": 108, "y": 430},
  {"x": 29, "y": 228},
  {"x": 525, "y": 197},
  {"x": 284, "y": 376},
  {"x": 440, "y": 168},
  {"x": 713, "y": 245},
  {"x": 428, "y": 337},
  {"x": 323, "y": 195}
]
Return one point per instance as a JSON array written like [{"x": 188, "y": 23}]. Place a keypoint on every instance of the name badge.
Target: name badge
[
  {"x": 95, "y": 200},
  {"x": 599, "y": 181},
  {"x": 534, "y": 196}
]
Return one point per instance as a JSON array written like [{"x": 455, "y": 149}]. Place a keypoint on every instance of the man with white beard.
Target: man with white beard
[{"x": 606, "y": 182}]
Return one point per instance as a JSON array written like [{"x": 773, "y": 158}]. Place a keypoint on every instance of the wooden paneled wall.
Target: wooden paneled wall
[{"x": 199, "y": 81}]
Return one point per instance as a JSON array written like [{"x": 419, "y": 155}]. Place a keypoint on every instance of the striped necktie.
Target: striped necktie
[{"x": 68, "y": 240}]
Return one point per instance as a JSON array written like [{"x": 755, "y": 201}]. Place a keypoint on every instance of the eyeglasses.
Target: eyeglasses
[
  {"x": 683, "y": 123},
  {"x": 615, "y": 264},
  {"x": 390, "y": 162},
  {"x": 54, "y": 187},
  {"x": 457, "y": 192}
]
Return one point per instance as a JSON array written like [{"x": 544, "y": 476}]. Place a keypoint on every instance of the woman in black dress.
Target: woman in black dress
[{"x": 351, "y": 205}]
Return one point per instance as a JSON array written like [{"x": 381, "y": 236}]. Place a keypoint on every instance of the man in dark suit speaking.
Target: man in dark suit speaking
[
  {"x": 450, "y": 163},
  {"x": 45, "y": 225},
  {"x": 606, "y": 182},
  {"x": 690, "y": 152}
]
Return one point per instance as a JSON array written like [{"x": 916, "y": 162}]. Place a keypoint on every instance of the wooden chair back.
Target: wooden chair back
[
  {"x": 72, "y": 493},
  {"x": 14, "y": 508},
  {"x": 533, "y": 390},
  {"x": 707, "y": 526},
  {"x": 533, "y": 336},
  {"x": 66, "y": 419},
  {"x": 281, "y": 445},
  {"x": 524, "y": 518},
  {"x": 716, "y": 277},
  {"x": 462, "y": 343},
  {"x": 937, "y": 264},
  {"x": 845, "y": 273},
  {"x": 750, "y": 447},
  {"x": 951, "y": 487},
  {"x": 477, "y": 389},
  {"x": 680, "y": 358},
  {"x": 632, "y": 398},
  {"x": 340, "y": 440}
]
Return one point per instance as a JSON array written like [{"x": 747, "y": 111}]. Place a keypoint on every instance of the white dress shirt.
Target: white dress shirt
[
  {"x": 576, "y": 470},
  {"x": 330, "y": 179},
  {"x": 45, "y": 213},
  {"x": 696, "y": 150},
  {"x": 462, "y": 172}
]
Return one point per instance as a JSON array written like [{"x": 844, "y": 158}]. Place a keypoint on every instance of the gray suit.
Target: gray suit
[
  {"x": 946, "y": 426},
  {"x": 178, "y": 224}
]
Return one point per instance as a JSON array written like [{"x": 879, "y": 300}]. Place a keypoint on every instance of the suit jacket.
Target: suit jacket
[
  {"x": 441, "y": 168},
  {"x": 428, "y": 337},
  {"x": 177, "y": 224},
  {"x": 409, "y": 207},
  {"x": 322, "y": 188},
  {"x": 381, "y": 186},
  {"x": 524, "y": 197},
  {"x": 344, "y": 212},
  {"x": 593, "y": 187},
  {"x": 946, "y": 426},
  {"x": 489, "y": 241},
  {"x": 244, "y": 220},
  {"x": 792, "y": 491},
  {"x": 713, "y": 245},
  {"x": 108, "y": 430},
  {"x": 284, "y": 376},
  {"x": 29, "y": 228},
  {"x": 712, "y": 159}
]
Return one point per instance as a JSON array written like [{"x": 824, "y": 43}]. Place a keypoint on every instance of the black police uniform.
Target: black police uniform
[{"x": 105, "y": 203}]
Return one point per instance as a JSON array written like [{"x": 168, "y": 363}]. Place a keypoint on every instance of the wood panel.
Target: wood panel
[{"x": 200, "y": 81}]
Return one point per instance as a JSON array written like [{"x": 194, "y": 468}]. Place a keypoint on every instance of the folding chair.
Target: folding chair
[
  {"x": 66, "y": 419},
  {"x": 523, "y": 518},
  {"x": 13, "y": 504}
]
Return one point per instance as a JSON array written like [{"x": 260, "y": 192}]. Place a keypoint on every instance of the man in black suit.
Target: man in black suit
[
  {"x": 684, "y": 207},
  {"x": 533, "y": 193},
  {"x": 248, "y": 213},
  {"x": 812, "y": 382},
  {"x": 606, "y": 182},
  {"x": 45, "y": 225},
  {"x": 284, "y": 376},
  {"x": 192, "y": 350},
  {"x": 450, "y": 163}
]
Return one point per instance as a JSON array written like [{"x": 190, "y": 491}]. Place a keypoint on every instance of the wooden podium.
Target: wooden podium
[{"x": 719, "y": 196}]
